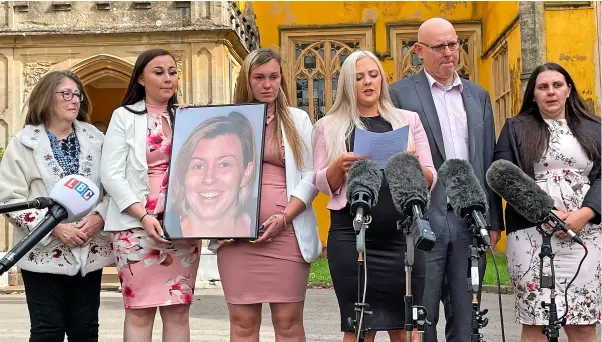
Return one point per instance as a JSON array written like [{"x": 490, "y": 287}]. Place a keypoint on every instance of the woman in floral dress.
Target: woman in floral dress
[
  {"x": 153, "y": 272},
  {"x": 556, "y": 141}
]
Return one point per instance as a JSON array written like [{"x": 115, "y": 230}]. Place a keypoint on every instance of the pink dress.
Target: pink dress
[
  {"x": 269, "y": 272},
  {"x": 154, "y": 275}
]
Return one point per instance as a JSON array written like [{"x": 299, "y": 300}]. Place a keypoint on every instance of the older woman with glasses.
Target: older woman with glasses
[{"x": 61, "y": 273}]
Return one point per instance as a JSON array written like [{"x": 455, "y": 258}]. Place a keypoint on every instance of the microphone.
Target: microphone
[
  {"x": 365, "y": 179},
  {"x": 74, "y": 197},
  {"x": 525, "y": 196},
  {"x": 410, "y": 196},
  {"x": 465, "y": 194},
  {"x": 37, "y": 203}
]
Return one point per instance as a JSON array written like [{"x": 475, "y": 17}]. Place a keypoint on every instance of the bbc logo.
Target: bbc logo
[{"x": 80, "y": 187}]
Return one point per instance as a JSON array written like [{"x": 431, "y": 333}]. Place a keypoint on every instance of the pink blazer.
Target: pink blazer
[{"x": 338, "y": 198}]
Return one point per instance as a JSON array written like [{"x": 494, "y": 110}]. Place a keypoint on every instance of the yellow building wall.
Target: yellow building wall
[
  {"x": 497, "y": 17},
  {"x": 570, "y": 42},
  {"x": 500, "y": 26},
  {"x": 272, "y": 15}
]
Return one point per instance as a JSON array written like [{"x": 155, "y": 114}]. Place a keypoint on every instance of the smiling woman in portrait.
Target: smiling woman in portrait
[{"x": 214, "y": 177}]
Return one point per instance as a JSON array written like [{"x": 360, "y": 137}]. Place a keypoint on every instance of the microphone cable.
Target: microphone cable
[
  {"x": 566, "y": 291},
  {"x": 357, "y": 337},
  {"x": 499, "y": 291}
]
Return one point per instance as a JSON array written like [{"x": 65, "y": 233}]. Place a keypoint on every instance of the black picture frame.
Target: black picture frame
[{"x": 181, "y": 219}]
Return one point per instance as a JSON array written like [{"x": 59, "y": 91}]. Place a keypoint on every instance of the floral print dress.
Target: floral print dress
[
  {"x": 154, "y": 275},
  {"x": 563, "y": 174}
]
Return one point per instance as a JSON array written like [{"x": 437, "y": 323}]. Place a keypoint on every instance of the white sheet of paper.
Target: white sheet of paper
[{"x": 380, "y": 146}]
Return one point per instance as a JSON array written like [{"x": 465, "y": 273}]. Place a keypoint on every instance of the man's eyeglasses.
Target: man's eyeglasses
[
  {"x": 453, "y": 46},
  {"x": 68, "y": 96}
]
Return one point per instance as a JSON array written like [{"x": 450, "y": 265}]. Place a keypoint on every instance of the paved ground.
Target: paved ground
[{"x": 210, "y": 320}]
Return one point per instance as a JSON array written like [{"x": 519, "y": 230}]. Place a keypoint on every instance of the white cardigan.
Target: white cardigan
[
  {"x": 29, "y": 170},
  {"x": 124, "y": 174},
  {"x": 299, "y": 183}
]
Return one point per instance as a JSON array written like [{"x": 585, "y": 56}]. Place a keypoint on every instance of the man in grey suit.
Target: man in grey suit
[{"x": 458, "y": 120}]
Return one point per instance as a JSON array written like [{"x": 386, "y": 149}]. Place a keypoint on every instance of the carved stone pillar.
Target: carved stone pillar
[{"x": 532, "y": 38}]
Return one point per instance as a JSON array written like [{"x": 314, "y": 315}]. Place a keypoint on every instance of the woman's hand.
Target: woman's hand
[
  {"x": 575, "y": 220},
  {"x": 153, "y": 229},
  {"x": 70, "y": 235},
  {"x": 346, "y": 160},
  {"x": 273, "y": 227},
  {"x": 183, "y": 105},
  {"x": 90, "y": 225}
]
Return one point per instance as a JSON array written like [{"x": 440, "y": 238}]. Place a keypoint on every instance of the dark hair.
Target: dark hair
[
  {"x": 135, "y": 91},
  {"x": 42, "y": 98},
  {"x": 534, "y": 133}
]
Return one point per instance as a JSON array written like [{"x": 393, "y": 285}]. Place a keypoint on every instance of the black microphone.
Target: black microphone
[
  {"x": 365, "y": 179},
  {"x": 525, "y": 196},
  {"x": 410, "y": 196},
  {"x": 55, "y": 215},
  {"x": 37, "y": 203},
  {"x": 465, "y": 194},
  {"x": 74, "y": 196}
]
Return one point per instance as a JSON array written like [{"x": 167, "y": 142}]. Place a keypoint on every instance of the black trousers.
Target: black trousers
[{"x": 61, "y": 304}]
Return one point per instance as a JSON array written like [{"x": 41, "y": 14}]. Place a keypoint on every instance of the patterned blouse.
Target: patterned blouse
[{"x": 66, "y": 152}]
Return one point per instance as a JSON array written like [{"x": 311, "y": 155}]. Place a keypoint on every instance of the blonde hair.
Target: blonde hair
[
  {"x": 282, "y": 115},
  {"x": 344, "y": 116},
  {"x": 234, "y": 124}
]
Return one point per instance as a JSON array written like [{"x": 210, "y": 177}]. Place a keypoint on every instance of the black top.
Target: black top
[
  {"x": 384, "y": 215},
  {"x": 508, "y": 148}
]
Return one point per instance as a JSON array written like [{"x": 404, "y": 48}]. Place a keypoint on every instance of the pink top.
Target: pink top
[
  {"x": 338, "y": 198},
  {"x": 452, "y": 116},
  {"x": 158, "y": 147}
]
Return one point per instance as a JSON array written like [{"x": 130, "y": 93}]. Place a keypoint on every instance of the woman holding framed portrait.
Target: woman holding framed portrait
[
  {"x": 154, "y": 273},
  {"x": 275, "y": 268}
]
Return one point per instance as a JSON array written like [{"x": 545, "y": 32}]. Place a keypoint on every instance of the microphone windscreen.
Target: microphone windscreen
[
  {"x": 406, "y": 181},
  {"x": 462, "y": 187},
  {"x": 364, "y": 174},
  {"x": 77, "y": 194},
  {"x": 519, "y": 190}
]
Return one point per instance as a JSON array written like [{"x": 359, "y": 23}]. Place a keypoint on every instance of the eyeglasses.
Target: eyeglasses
[
  {"x": 453, "y": 46},
  {"x": 68, "y": 96}
]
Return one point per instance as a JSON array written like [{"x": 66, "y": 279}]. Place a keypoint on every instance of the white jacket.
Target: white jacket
[
  {"x": 299, "y": 183},
  {"x": 29, "y": 170},
  {"x": 124, "y": 174},
  {"x": 123, "y": 167}
]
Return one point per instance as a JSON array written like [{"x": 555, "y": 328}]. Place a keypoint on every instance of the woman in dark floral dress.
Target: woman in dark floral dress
[{"x": 555, "y": 140}]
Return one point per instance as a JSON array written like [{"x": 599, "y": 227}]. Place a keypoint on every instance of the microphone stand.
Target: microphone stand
[
  {"x": 415, "y": 315},
  {"x": 361, "y": 324},
  {"x": 475, "y": 251},
  {"x": 552, "y": 329}
]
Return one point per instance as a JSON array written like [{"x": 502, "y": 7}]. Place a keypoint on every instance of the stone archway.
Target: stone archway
[
  {"x": 105, "y": 78},
  {"x": 103, "y": 65}
]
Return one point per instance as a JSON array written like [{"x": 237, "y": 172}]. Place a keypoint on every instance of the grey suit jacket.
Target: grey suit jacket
[{"x": 413, "y": 93}]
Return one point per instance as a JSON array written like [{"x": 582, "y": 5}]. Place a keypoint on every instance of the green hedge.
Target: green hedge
[{"x": 1, "y": 152}]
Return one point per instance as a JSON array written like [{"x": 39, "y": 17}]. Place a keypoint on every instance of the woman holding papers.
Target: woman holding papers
[{"x": 363, "y": 102}]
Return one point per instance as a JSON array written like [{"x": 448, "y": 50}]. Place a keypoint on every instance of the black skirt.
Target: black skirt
[{"x": 385, "y": 257}]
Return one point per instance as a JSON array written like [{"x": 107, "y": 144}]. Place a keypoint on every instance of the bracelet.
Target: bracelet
[
  {"x": 142, "y": 218},
  {"x": 284, "y": 217}
]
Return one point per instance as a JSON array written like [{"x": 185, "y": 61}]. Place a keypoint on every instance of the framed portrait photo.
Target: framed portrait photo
[{"x": 214, "y": 179}]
